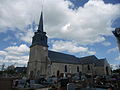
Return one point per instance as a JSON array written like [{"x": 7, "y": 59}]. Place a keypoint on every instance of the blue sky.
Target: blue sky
[{"x": 77, "y": 27}]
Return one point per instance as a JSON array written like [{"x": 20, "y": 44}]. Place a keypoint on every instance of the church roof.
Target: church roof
[
  {"x": 88, "y": 59},
  {"x": 100, "y": 62},
  {"x": 71, "y": 59},
  {"x": 62, "y": 58}
]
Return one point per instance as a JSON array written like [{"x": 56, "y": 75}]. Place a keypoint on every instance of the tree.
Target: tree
[{"x": 117, "y": 70}]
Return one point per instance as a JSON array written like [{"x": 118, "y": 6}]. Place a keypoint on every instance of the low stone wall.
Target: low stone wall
[{"x": 6, "y": 83}]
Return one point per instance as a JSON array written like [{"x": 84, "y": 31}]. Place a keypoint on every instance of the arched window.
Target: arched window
[
  {"x": 107, "y": 71},
  {"x": 65, "y": 68},
  {"x": 78, "y": 69},
  {"x": 58, "y": 73},
  {"x": 88, "y": 67},
  {"x": 38, "y": 73}
]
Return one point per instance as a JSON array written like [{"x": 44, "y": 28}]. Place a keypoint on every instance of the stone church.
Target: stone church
[{"x": 47, "y": 63}]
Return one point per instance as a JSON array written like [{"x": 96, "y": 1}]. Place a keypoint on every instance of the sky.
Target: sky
[{"x": 76, "y": 27}]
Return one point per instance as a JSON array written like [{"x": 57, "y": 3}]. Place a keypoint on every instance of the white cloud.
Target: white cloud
[
  {"x": 25, "y": 36},
  {"x": 117, "y": 58},
  {"x": 17, "y": 49},
  {"x": 70, "y": 47},
  {"x": 113, "y": 66},
  {"x": 106, "y": 43},
  {"x": 85, "y": 25},
  {"x": 17, "y": 13},
  {"x": 2, "y": 53},
  {"x": 7, "y": 38},
  {"x": 91, "y": 52},
  {"x": 13, "y": 43},
  {"x": 15, "y": 54},
  {"x": 112, "y": 50}
]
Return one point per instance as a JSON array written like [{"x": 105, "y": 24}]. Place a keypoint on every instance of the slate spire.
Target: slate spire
[
  {"x": 40, "y": 26},
  {"x": 40, "y": 37}
]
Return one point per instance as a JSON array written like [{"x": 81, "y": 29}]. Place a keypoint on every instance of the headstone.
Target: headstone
[
  {"x": 64, "y": 82},
  {"x": 70, "y": 86}
]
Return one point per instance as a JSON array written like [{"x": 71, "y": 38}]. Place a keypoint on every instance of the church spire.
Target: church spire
[
  {"x": 40, "y": 26},
  {"x": 40, "y": 37}
]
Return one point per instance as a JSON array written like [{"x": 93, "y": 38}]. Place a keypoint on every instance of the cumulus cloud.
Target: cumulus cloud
[
  {"x": 17, "y": 49},
  {"x": 91, "y": 52},
  {"x": 18, "y": 13},
  {"x": 60, "y": 21},
  {"x": 117, "y": 58},
  {"x": 2, "y": 53},
  {"x": 7, "y": 38},
  {"x": 70, "y": 47},
  {"x": 25, "y": 36},
  {"x": 106, "y": 43},
  {"x": 82, "y": 25},
  {"x": 15, "y": 54},
  {"x": 112, "y": 50},
  {"x": 113, "y": 66}
]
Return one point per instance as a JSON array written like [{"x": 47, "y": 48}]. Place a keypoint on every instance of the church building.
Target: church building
[{"x": 43, "y": 62}]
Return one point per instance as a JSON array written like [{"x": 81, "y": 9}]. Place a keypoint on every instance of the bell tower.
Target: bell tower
[{"x": 38, "y": 57}]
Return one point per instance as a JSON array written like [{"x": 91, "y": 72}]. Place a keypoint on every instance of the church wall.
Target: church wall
[
  {"x": 110, "y": 70},
  {"x": 37, "y": 53},
  {"x": 106, "y": 65},
  {"x": 107, "y": 71},
  {"x": 99, "y": 70},
  {"x": 31, "y": 68},
  {"x": 102, "y": 70},
  {"x": 71, "y": 68},
  {"x": 88, "y": 69},
  {"x": 38, "y": 61}
]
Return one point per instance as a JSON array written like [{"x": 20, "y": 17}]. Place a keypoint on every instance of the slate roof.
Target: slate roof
[
  {"x": 71, "y": 59},
  {"x": 100, "y": 62},
  {"x": 62, "y": 58},
  {"x": 88, "y": 59}
]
